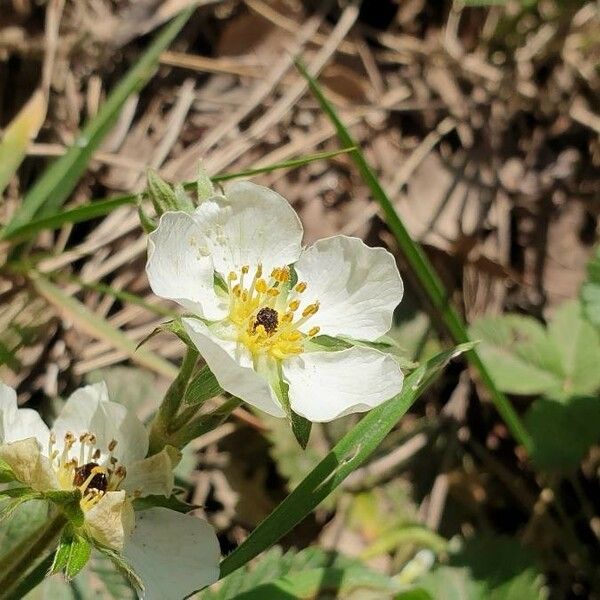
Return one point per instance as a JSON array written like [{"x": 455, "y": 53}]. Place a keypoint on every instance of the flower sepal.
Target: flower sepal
[{"x": 72, "y": 553}]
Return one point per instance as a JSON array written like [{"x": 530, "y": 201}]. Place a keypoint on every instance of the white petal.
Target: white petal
[
  {"x": 19, "y": 423},
  {"x": 174, "y": 554},
  {"x": 29, "y": 465},
  {"x": 152, "y": 475},
  {"x": 251, "y": 224},
  {"x": 179, "y": 267},
  {"x": 110, "y": 521},
  {"x": 88, "y": 410},
  {"x": 358, "y": 287},
  {"x": 328, "y": 385},
  {"x": 232, "y": 366}
]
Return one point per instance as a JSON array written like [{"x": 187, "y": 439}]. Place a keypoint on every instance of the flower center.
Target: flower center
[
  {"x": 264, "y": 312},
  {"x": 83, "y": 470}
]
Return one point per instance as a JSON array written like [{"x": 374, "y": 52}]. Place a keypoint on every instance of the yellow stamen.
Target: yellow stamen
[
  {"x": 300, "y": 287},
  {"x": 313, "y": 331}
]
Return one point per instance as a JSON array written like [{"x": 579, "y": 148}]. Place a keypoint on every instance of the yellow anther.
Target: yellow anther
[
  {"x": 300, "y": 287},
  {"x": 287, "y": 318},
  {"x": 294, "y": 336},
  {"x": 275, "y": 273},
  {"x": 261, "y": 286},
  {"x": 313, "y": 331},
  {"x": 293, "y": 305},
  {"x": 237, "y": 290},
  {"x": 311, "y": 309},
  {"x": 245, "y": 269},
  {"x": 273, "y": 292},
  {"x": 232, "y": 276}
]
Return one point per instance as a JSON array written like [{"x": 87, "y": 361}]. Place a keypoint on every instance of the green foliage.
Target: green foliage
[
  {"x": 563, "y": 431},
  {"x": 305, "y": 574},
  {"x": 24, "y": 521},
  {"x": 487, "y": 567},
  {"x": 72, "y": 554},
  {"x": 523, "y": 357},
  {"x": 348, "y": 454},
  {"x": 590, "y": 291}
]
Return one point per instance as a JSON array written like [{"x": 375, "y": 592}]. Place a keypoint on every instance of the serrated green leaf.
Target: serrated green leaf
[
  {"x": 270, "y": 574},
  {"x": 563, "y": 432},
  {"x": 525, "y": 358},
  {"x": 171, "y": 502},
  {"x": 486, "y": 568}
]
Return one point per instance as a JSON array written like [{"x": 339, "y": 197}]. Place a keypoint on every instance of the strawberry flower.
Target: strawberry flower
[
  {"x": 99, "y": 447},
  {"x": 264, "y": 310}
]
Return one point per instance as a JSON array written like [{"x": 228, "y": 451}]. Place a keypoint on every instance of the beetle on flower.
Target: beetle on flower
[
  {"x": 263, "y": 310},
  {"x": 99, "y": 448}
]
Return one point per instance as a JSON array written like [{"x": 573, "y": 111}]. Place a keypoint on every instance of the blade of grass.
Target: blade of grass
[
  {"x": 98, "y": 327},
  {"x": 348, "y": 454},
  {"x": 421, "y": 267},
  {"x": 59, "y": 179},
  {"x": 99, "y": 208},
  {"x": 20, "y": 131}
]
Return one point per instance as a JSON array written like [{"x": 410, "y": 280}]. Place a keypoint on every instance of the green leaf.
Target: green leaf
[
  {"x": 590, "y": 291},
  {"x": 420, "y": 265},
  {"x": 171, "y": 502},
  {"x": 348, "y": 454},
  {"x": 68, "y": 502},
  {"x": 72, "y": 554},
  {"x": 58, "y": 181},
  {"x": 23, "y": 522},
  {"x": 563, "y": 432},
  {"x": 486, "y": 568},
  {"x": 272, "y": 575},
  {"x": 525, "y": 358},
  {"x": 202, "y": 387},
  {"x": 358, "y": 582}
]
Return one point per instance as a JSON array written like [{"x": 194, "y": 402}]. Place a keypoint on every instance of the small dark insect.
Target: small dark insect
[
  {"x": 98, "y": 482},
  {"x": 267, "y": 317}
]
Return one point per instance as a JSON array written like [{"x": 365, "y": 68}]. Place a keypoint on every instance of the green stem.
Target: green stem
[
  {"x": 203, "y": 423},
  {"x": 27, "y": 554},
  {"x": 422, "y": 267},
  {"x": 161, "y": 426}
]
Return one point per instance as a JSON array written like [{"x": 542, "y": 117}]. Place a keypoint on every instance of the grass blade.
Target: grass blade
[
  {"x": 59, "y": 179},
  {"x": 421, "y": 267},
  {"x": 349, "y": 453},
  {"x": 98, "y": 327},
  {"x": 23, "y": 128},
  {"x": 99, "y": 208}
]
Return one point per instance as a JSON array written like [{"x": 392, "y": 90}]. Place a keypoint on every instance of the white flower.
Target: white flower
[
  {"x": 99, "y": 447},
  {"x": 229, "y": 262}
]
